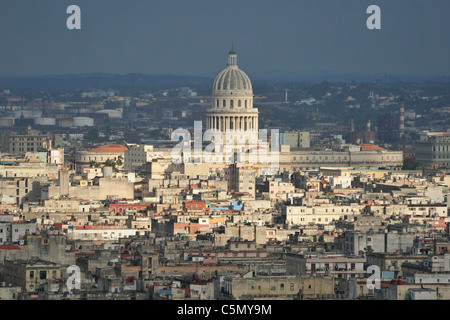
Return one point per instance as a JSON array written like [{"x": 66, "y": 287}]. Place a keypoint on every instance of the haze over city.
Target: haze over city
[
  {"x": 189, "y": 37},
  {"x": 243, "y": 152}
]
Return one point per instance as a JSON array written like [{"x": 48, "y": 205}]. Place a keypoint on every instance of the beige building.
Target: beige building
[
  {"x": 30, "y": 274},
  {"x": 30, "y": 170},
  {"x": 297, "y": 139},
  {"x": 241, "y": 179},
  {"x": 400, "y": 290},
  {"x": 32, "y": 141},
  {"x": 279, "y": 191},
  {"x": 101, "y": 154},
  {"x": 433, "y": 147},
  {"x": 392, "y": 262},
  {"x": 283, "y": 287},
  {"x": 139, "y": 154},
  {"x": 321, "y": 214},
  {"x": 335, "y": 265}
]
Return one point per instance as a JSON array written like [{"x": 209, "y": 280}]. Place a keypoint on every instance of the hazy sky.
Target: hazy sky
[{"x": 194, "y": 36}]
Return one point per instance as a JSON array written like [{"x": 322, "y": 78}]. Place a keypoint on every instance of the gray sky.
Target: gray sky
[{"x": 194, "y": 36}]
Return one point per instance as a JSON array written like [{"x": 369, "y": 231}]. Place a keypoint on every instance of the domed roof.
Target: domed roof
[{"x": 232, "y": 79}]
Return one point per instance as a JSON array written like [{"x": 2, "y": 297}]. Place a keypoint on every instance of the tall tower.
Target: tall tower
[
  {"x": 232, "y": 101},
  {"x": 286, "y": 96}
]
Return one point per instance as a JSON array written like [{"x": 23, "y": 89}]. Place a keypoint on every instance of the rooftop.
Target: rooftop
[
  {"x": 370, "y": 147},
  {"x": 110, "y": 148}
]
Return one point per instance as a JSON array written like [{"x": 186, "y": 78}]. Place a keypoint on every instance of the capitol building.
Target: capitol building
[
  {"x": 232, "y": 111},
  {"x": 232, "y": 100}
]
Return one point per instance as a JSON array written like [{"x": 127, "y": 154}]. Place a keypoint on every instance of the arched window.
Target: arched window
[
  {"x": 239, "y": 103},
  {"x": 224, "y": 103},
  {"x": 217, "y": 103},
  {"x": 231, "y": 103},
  {"x": 246, "y": 103}
]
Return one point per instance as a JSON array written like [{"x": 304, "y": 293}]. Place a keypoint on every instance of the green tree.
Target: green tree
[
  {"x": 410, "y": 164},
  {"x": 94, "y": 164}
]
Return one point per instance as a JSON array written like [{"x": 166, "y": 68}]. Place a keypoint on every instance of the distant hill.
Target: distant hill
[
  {"x": 203, "y": 82},
  {"x": 330, "y": 76},
  {"x": 81, "y": 82}
]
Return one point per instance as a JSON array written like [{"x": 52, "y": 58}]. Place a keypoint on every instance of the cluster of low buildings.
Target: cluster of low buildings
[
  {"x": 147, "y": 228},
  {"x": 128, "y": 221}
]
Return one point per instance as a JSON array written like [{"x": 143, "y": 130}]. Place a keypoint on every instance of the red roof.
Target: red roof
[
  {"x": 110, "y": 148},
  {"x": 9, "y": 247},
  {"x": 370, "y": 147}
]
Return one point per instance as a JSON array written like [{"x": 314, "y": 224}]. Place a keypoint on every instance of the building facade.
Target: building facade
[{"x": 433, "y": 147}]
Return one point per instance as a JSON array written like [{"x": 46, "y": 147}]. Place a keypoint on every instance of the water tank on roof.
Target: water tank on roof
[{"x": 107, "y": 171}]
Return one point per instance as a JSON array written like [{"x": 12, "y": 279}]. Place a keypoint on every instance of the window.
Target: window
[
  {"x": 43, "y": 275},
  {"x": 31, "y": 274}
]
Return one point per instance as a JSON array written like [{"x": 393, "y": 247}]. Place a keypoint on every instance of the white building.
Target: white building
[
  {"x": 99, "y": 234},
  {"x": 139, "y": 154},
  {"x": 323, "y": 214}
]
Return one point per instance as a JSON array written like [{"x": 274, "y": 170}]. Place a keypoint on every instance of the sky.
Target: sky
[{"x": 193, "y": 37}]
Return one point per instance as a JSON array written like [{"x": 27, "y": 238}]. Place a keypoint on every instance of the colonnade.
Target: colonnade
[{"x": 224, "y": 123}]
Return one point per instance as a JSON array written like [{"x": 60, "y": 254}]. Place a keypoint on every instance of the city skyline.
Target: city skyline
[
  {"x": 189, "y": 38},
  {"x": 111, "y": 189}
]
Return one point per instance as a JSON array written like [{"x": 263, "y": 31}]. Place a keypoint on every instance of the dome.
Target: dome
[{"x": 232, "y": 79}]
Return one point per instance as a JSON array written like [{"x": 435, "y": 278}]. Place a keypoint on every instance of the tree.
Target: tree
[
  {"x": 410, "y": 164},
  {"x": 110, "y": 163},
  {"x": 92, "y": 135},
  {"x": 94, "y": 164}
]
